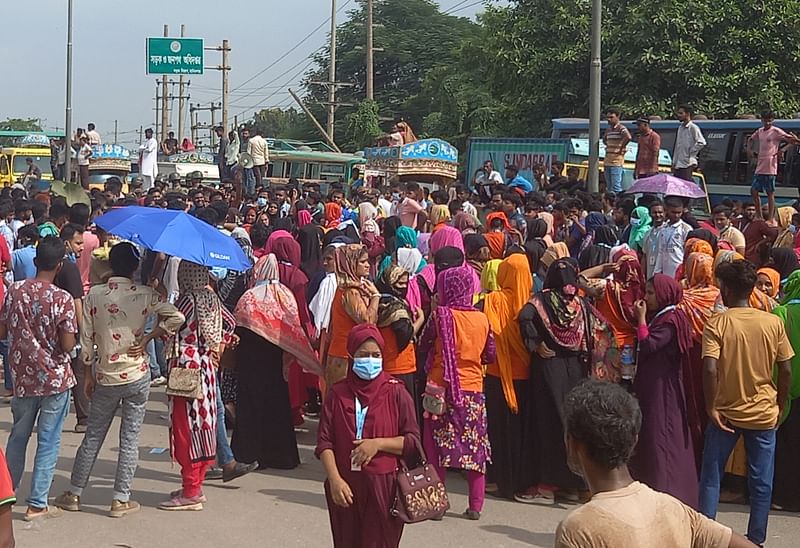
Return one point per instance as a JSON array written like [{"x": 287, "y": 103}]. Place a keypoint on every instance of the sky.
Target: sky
[{"x": 109, "y": 80}]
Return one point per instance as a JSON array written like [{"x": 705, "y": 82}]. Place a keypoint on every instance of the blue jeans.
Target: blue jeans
[
  {"x": 7, "y": 381},
  {"x": 760, "y": 448},
  {"x": 51, "y": 412},
  {"x": 224, "y": 451},
  {"x": 613, "y": 176},
  {"x": 155, "y": 351},
  {"x": 249, "y": 182}
]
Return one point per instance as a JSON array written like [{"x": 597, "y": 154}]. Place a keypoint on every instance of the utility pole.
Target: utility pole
[
  {"x": 158, "y": 111},
  {"x": 180, "y": 95},
  {"x": 370, "y": 59},
  {"x": 115, "y": 131},
  {"x": 164, "y": 103},
  {"x": 197, "y": 126},
  {"x": 314, "y": 120},
  {"x": 594, "y": 99},
  {"x": 68, "y": 110},
  {"x": 332, "y": 75},
  {"x": 226, "y": 48},
  {"x": 141, "y": 135}
]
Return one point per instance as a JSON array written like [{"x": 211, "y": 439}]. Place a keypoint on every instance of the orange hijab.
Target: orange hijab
[
  {"x": 758, "y": 299},
  {"x": 502, "y": 308},
  {"x": 775, "y": 277},
  {"x": 700, "y": 297}
]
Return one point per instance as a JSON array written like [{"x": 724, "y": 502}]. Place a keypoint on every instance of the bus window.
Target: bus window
[
  {"x": 714, "y": 155},
  {"x": 744, "y": 169},
  {"x": 668, "y": 136},
  {"x": 314, "y": 171},
  {"x": 3, "y": 165}
]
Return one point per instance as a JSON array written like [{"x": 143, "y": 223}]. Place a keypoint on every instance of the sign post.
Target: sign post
[{"x": 174, "y": 56}]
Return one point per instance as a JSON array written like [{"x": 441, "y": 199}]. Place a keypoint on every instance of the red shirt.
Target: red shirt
[{"x": 647, "y": 154}]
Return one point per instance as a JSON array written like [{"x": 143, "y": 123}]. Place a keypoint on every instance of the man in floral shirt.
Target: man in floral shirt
[
  {"x": 39, "y": 319},
  {"x": 113, "y": 337}
]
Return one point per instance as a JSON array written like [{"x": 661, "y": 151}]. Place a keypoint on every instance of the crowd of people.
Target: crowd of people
[{"x": 406, "y": 317}]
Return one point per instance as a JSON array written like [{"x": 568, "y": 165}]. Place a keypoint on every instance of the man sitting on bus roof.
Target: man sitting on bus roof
[{"x": 517, "y": 182}]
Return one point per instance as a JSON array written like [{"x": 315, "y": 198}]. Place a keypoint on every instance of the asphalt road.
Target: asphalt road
[{"x": 270, "y": 508}]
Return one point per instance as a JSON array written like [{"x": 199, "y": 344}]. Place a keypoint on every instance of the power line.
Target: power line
[
  {"x": 294, "y": 48},
  {"x": 292, "y": 79},
  {"x": 451, "y": 8},
  {"x": 456, "y": 8}
]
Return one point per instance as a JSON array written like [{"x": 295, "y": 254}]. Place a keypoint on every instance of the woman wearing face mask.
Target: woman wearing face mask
[
  {"x": 640, "y": 226},
  {"x": 367, "y": 423},
  {"x": 355, "y": 302}
]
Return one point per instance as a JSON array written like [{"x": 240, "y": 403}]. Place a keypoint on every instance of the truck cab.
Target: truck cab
[{"x": 13, "y": 165}]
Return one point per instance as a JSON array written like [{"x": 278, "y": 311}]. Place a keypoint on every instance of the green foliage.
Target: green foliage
[
  {"x": 727, "y": 58},
  {"x": 363, "y": 126},
  {"x": 285, "y": 124},
  {"x": 20, "y": 124},
  {"x": 417, "y": 39}
]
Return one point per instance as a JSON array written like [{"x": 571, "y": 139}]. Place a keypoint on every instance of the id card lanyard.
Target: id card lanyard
[{"x": 361, "y": 417}]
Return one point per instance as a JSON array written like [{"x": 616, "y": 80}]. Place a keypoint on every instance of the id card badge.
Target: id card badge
[{"x": 361, "y": 417}]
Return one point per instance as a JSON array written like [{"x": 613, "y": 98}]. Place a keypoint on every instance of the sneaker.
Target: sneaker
[
  {"x": 179, "y": 504},
  {"x": 119, "y": 508},
  {"x": 472, "y": 515},
  {"x": 214, "y": 473},
  {"x": 239, "y": 469},
  {"x": 47, "y": 513},
  {"x": 158, "y": 381},
  {"x": 80, "y": 428},
  {"x": 535, "y": 497},
  {"x": 68, "y": 502},
  {"x": 179, "y": 493}
]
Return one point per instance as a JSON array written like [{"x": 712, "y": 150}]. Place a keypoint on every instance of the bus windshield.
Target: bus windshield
[{"x": 21, "y": 166}]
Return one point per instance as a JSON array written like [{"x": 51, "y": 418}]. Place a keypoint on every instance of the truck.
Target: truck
[
  {"x": 13, "y": 159},
  {"x": 525, "y": 153}
]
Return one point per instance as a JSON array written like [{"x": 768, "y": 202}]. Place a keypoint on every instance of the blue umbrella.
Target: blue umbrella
[{"x": 175, "y": 233}]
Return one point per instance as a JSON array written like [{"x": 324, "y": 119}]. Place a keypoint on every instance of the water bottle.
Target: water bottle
[{"x": 628, "y": 360}]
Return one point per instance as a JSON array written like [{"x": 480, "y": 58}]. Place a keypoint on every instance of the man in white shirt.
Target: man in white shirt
[
  {"x": 93, "y": 135},
  {"x": 148, "y": 160},
  {"x": 258, "y": 149},
  {"x": 488, "y": 178},
  {"x": 671, "y": 239},
  {"x": 84, "y": 153},
  {"x": 688, "y": 143},
  {"x": 650, "y": 244}
]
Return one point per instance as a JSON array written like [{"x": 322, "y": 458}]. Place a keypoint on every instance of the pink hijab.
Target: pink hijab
[{"x": 548, "y": 218}]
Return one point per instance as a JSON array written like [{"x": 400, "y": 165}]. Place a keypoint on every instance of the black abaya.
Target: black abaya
[{"x": 264, "y": 430}]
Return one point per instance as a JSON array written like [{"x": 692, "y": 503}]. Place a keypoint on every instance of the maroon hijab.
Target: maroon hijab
[
  {"x": 670, "y": 293},
  {"x": 366, "y": 391}
]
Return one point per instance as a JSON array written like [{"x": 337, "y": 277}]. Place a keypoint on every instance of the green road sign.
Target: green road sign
[{"x": 174, "y": 56}]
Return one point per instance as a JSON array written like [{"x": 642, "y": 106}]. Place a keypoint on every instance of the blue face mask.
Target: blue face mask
[
  {"x": 635, "y": 221},
  {"x": 262, "y": 202},
  {"x": 792, "y": 229},
  {"x": 367, "y": 368},
  {"x": 71, "y": 257}
]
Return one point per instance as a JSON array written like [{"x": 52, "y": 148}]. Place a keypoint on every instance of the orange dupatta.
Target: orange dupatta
[
  {"x": 502, "y": 308},
  {"x": 700, "y": 297}
]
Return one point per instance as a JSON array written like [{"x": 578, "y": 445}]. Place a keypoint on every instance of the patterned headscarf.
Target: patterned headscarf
[
  {"x": 193, "y": 280},
  {"x": 346, "y": 262},
  {"x": 439, "y": 214}
]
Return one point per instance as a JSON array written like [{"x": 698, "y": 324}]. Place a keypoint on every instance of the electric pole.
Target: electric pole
[
  {"x": 180, "y": 96},
  {"x": 115, "y": 131},
  {"x": 225, "y": 86},
  {"x": 332, "y": 74},
  {"x": 68, "y": 110},
  {"x": 594, "y": 99},
  {"x": 197, "y": 126},
  {"x": 164, "y": 103},
  {"x": 370, "y": 59}
]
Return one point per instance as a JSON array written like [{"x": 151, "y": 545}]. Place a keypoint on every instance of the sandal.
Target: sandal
[{"x": 49, "y": 512}]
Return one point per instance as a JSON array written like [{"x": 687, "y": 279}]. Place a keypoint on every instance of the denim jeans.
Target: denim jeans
[
  {"x": 224, "y": 451},
  {"x": 760, "y": 448},
  {"x": 155, "y": 351},
  {"x": 7, "y": 381},
  {"x": 249, "y": 182},
  {"x": 48, "y": 413},
  {"x": 613, "y": 176}
]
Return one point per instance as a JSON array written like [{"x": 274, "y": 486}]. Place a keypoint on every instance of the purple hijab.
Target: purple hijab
[{"x": 454, "y": 289}]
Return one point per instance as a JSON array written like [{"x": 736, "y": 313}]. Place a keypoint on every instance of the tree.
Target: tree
[
  {"x": 417, "y": 38},
  {"x": 363, "y": 125},
  {"x": 20, "y": 124},
  {"x": 725, "y": 58},
  {"x": 284, "y": 124}
]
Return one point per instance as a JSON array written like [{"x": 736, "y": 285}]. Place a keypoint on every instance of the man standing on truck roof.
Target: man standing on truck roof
[
  {"x": 616, "y": 139},
  {"x": 93, "y": 135},
  {"x": 769, "y": 139},
  {"x": 258, "y": 149},
  {"x": 649, "y": 147},
  {"x": 688, "y": 143},
  {"x": 148, "y": 159}
]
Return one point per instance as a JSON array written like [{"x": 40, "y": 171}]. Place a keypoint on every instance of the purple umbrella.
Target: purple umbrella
[{"x": 667, "y": 185}]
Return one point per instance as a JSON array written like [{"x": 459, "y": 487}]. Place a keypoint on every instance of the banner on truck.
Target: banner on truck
[{"x": 523, "y": 153}]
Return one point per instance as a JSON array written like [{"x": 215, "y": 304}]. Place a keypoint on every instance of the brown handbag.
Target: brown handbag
[{"x": 420, "y": 493}]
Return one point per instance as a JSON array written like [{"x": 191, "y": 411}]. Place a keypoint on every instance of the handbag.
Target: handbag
[
  {"x": 421, "y": 495},
  {"x": 433, "y": 400},
  {"x": 185, "y": 383}
]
